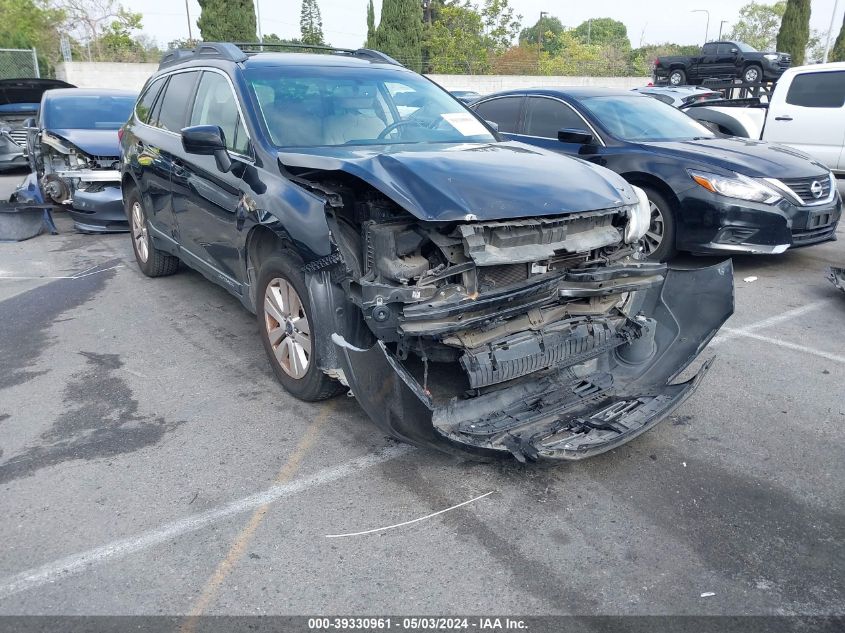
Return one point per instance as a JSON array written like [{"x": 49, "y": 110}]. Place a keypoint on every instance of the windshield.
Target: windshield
[
  {"x": 638, "y": 119},
  {"x": 314, "y": 106},
  {"x": 745, "y": 48},
  {"x": 88, "y": 112}
]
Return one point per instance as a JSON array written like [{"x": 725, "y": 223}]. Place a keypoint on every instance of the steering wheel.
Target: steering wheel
[{"x": 395, "y": 126}]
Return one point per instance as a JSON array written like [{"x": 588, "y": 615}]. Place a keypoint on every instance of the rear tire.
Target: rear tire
[
  {"x": 659, "y": 240},
  {"x": 152, "y": 261},
  {"x": 677, "y": 78},
  {"x": 288, "y": 330}
]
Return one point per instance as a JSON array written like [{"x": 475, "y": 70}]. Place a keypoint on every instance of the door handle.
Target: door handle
[{"x": 785, "y": 117}]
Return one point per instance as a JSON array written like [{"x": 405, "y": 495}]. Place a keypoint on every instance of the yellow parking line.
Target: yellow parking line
[{"x": 244, "y": 538}]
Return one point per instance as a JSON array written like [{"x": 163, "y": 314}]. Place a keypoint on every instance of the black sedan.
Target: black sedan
[{"x": 708, "y": 193}]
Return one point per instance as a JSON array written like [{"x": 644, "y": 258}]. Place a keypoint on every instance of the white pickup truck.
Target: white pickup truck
[{"x": 806, "y": 111}]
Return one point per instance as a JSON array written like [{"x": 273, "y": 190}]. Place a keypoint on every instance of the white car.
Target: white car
[{"x": 806, "y": 111}]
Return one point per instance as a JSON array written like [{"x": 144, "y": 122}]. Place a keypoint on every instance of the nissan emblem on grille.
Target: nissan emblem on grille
[{"x": 816, "y": 189}]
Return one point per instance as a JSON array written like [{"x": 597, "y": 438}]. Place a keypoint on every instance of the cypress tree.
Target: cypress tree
[
  {"x": 838, "y": 52},
  {"x": 311, "y": 23},
  {"x": 795, "y": 30},
  {"x": 371, "y": 25},
  {"x": 400, "y": 32},
  {"x": 227, "y": 21}
]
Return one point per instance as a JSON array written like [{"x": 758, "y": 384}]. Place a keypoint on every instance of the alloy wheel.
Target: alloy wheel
[
  {"x": 752, "y": 76},
  {"x": 675, "y": 79},
  {"x": 139, "y": 232},
  {"x": 653, "y": 238},
  {"x": 287, "y": 328}
]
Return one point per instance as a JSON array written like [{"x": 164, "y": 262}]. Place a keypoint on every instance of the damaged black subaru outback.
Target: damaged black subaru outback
[{"x": 475, "y": 294}]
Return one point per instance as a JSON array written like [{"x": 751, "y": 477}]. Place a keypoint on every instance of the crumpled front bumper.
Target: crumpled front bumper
[
  {"x": 99, "y": 211},
  {"x": 565, "y": 412}
]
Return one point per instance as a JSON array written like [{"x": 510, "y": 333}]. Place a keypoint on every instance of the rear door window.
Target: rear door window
[
  {"x": 818, "y": 90},
  {"x": 545, "y": 117},
  {"x": 172, "y": 114},
  {"x": 503, "y": 111}
]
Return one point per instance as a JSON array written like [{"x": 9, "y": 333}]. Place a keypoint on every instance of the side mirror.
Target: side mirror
[
  {"x": 492, "y": 124},
  {"x": 734, "y": 51},
  {"x": 207, "y": 140},
  {"x": 581, "y": 137}
]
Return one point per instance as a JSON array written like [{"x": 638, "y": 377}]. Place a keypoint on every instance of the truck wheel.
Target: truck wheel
[
  {"x": 752, "y": 75},
  {"x": 151, "y": 261},
  {"x": 288, "y": 330},
  {"x": 659, "y": 241},
  {"x": 677, "y": 77}
]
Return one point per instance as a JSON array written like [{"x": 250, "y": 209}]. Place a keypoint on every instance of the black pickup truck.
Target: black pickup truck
[{"x": 722, "y": 60}]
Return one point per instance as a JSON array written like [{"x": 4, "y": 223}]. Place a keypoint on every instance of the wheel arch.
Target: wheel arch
[{"x": 643, "y": 179}]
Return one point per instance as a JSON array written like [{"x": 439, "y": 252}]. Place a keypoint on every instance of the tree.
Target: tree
[
  {"x": 837, "y": 53},
  {"x": 311, "y": 24},
  {"x": 32, "y": 24},
  {"x": 642, "y": 59},
  {"x": 501, "y": 26},
  {"x": 227, "y": 21},
  {"x": 400, "y": 32},
  {"x": 92, "y": 20},
  {"x": 543, "y": 34},
  {"x": 794, "y": 30},
  {"x": 456, "y": 41},
  {"x": 604, "y": 32},
  {"x": 371, "y": 24},
  {"x": 758, "y": 25}
]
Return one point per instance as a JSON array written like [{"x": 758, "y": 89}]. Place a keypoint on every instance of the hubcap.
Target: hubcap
[
  {"x": 675, "y": 79},
  {"x": 287, "y": 328},
  {"x": 656, "y": 229},
  {"x": 751, "y": 75},
  {"x": 139, "y": 232}
]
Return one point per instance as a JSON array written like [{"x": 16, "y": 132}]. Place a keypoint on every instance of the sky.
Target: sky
[{"x": 345, "y": 23}]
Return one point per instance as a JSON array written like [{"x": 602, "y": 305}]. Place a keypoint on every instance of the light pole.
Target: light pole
[
  {"x": 258, "y": 22},
  {"x": 706, "y": 28},
  {"x": 721, "y": 24},
  {"x": 188, "y": 15},
  {"x": 830, "y": 31},
  {"x": 540, "y": 35}
]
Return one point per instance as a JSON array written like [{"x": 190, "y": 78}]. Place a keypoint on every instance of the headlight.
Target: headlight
[
  {"x": 738, "y": 186},
  {"x": 771, "y": 56},
  {"x": 640, "y": 218}
]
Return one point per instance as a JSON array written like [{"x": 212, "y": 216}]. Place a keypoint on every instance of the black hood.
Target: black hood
[
  {"x": 27, "y": 90},
  {"x": 490, "y": 181},
  {"x": 753, "y": 158}
]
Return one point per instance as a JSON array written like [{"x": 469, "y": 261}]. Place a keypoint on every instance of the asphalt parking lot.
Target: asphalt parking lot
[{"x": 150, "y": 464}]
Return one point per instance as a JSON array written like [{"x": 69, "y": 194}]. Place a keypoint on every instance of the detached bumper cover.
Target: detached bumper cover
[
  {"x": 837, "y": 277},
  {"x": 568, "y": 412},
  {"x": 99, "y": 210}
]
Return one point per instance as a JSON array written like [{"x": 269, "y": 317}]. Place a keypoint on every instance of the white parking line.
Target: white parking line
[
  {"x": 730, "y": 333},
  {"x": 78, "y": 563},
  {"x": 787, "y": 345}
]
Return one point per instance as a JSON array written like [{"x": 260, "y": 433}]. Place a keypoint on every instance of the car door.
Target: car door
[
  {"x": 704, "y": 65},
  {"x": 810, "y": 115},
  {"x": 157, "y": 146},
  {"x": 505, "y": 112},
  {"x": 544, "y": 117},
  {"x": 206, "y": 200},
  {"x": 726, "y": 60}
]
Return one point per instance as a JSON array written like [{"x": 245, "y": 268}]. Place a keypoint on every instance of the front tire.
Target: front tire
[
  {"x": 288, "y": 330},
  {"x": 752, "y": 75},
  {"x": 659, "y": 241},
  {"x": 677, "y": 77},
  {"x": 152, "y": 261}
]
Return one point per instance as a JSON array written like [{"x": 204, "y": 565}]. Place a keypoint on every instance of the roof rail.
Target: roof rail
[
  {"x": 205, "y": 50},
  {"x": 237, "y": 52},
  {"x": 362, "y": 53}
]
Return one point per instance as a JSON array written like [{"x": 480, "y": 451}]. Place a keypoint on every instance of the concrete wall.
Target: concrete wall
[
  {"x": 132, "y": 77},
  {"x": 126, "y": 76},
  {"x": 485, "y": 84}
]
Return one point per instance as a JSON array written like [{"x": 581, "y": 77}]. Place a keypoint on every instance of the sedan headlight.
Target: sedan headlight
[
  {"x": 737, "y": 186},
  {"x": 640, "y": 218}
]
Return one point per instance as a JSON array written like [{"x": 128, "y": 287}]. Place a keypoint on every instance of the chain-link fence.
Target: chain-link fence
[{"x": 18, "y": 62}]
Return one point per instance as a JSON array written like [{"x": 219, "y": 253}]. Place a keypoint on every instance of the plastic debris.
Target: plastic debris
[
  {"x": 708, "y": 594},
  {"x": 750, "y": 279}
]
